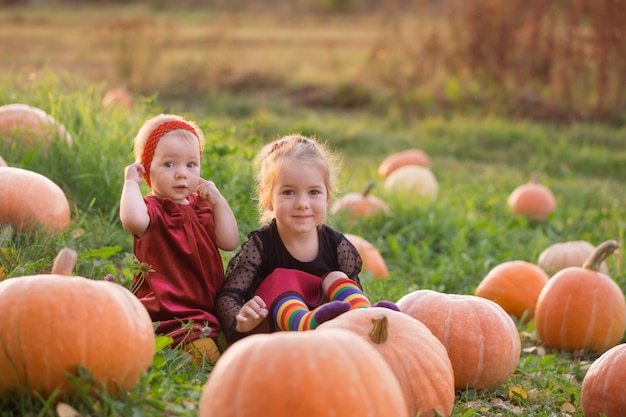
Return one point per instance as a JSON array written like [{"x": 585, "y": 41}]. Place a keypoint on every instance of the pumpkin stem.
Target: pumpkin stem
[
  {"x": 380, "y": 331},
  {"x": 600, "y": 254},
  {"x": 368, "y": 188},
  {"x": 64, "y": 262}
]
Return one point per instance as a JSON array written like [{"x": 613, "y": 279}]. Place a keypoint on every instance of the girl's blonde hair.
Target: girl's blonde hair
[
  {"x": 274, "y": 155},
  {"x": 148, "y": 127}
]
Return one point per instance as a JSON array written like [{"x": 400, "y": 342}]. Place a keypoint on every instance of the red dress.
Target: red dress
[{"x": 181, "y": 249}]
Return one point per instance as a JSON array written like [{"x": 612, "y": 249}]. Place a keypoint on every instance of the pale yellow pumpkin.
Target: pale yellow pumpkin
[
  {"x": 562, "y": 255},
  {"x": 412, "y": 181}
]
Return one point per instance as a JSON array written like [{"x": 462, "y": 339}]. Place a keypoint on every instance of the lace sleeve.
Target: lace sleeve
[
  {"x": 241, "y": 274},
  {"x": 350, "y": 261}
]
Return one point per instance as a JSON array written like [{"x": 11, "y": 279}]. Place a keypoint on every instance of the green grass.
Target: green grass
[{"x": 447, "y": 245}]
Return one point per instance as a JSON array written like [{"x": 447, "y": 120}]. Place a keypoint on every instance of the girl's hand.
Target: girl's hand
[
  {"x": 208, "y": 191},
  {"x": 251, "y": 314},
  {"x": 134, "y": 172}
]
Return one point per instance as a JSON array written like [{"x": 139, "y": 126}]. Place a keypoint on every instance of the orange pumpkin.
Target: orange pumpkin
[
  {"x": 533, "y": 200},
  {"x": 416, "y": 356},
  {"x": 29, "y": 199},
  {"x": 119, "y": 96},
  {"x": 313, "y": 374},
  {"x": 30, "y": 124},
  {"x": 360, "y": 204},
  {"x": 481, "y": 338},
  {"x": 602, "y": 390},
  {"x": 564, "y": 254},
  {"x": 53, "y": 323},
  {"x": 403, "y": 158},
  {"x": 581, "y": 308},
  {"x": 412, "y": 181},
  {"x": 515, "y": 286},
  {"x": 373, "y": 261}
]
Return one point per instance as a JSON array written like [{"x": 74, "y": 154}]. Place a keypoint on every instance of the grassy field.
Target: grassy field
[{"x": 447, "y": 245}]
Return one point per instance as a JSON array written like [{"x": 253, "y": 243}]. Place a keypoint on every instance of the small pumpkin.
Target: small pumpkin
[
  {"x": 602, "y": 390},
  {"x": 515, "y": 286},
  {"x": 118, "y": 96},
  {"x": 481, "y": 338},
  {"x": 412, "y": 181},
  {"x": 561, "y": 255},
  {"x": 582, "y": 308},
  {"x": 532, "y": 200},
  {"x": 53, "y": 323},
  {"x": 30, "y": 124},
  {"x": 403, "y": 158},
  {"x": 360, "y": 204},
  {"x": 418, "y": 359},
  {"x": 313, "y": 374},
  {"x": 29, "y": 199},
  {"x": 373, "y": 261}
]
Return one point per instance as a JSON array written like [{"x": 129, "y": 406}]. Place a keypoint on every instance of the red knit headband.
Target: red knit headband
[{"x": 154, "y": 138}]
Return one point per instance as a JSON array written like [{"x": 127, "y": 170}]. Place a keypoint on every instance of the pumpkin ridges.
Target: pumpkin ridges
[
  {"x": 601, "y": 389},
  {"x": 452, "y": 319},
  {"x": 275, "y": 374},
  {"x": 564, "y": 254},
  {"x": 581, "y": 308},
  {"x": 79, "y": 321},
  {"x": 410, "y": 349}
]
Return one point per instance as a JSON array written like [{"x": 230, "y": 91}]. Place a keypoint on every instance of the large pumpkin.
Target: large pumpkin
[
  {"x": 416, "y": 356},
  {"x": 532, "y": 200},
  {"x": 29, "y": 199},
  {"x": 360, "y": 204},
  {"x": 373, "y": 261},
  {"x": 30, "y": 124},
  {"x": 313, "y": 374},
  {"x": 412, "y": 181},
  {"x": 52, "y": 323},
  {"x": 561, "y": 255},
  {"x": 481, "y": 338},
  {"x": 401, "y": 159},
  {"x": 602, "y": 390},
  {"x": 515, "y": 286},
  {"x": 582, "y": 308}
]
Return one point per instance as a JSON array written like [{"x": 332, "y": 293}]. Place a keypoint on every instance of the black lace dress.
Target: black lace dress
[{"x": 259, "y": 258}]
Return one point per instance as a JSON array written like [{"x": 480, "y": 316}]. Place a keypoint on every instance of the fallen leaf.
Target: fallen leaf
[{"x": 66, "y": 410}]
